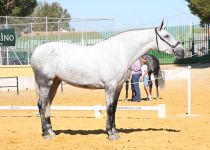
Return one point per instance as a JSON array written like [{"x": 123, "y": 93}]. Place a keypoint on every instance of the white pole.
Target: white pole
[
  {"x": 162, "y": 111},
  {"x": 6, "y": 22},
  {"x": 7, "y": 55},
  {"x": 46, "y": 29},
  {"x": 189, "y": 91},
  {"x": 82, "y": 41},
  {"x": 188, "y": 113},
  {"x": 59, "y": 37},
  {"x": 113, "y": 24},
  {"x": 31, "y": 27},
  {"x": 29, "y": 42}
]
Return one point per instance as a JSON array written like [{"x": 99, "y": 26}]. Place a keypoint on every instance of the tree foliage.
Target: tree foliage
[
  {"x": 58, "y": 18},
  {"x": 17, "y": 7},
  {"x": 201, "y": 8}
]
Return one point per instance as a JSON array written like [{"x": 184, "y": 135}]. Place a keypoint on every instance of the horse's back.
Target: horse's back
[
  {"x": 51, "y": 49},
  {"x": 48, "y": 56},
  {"x": 83, "y": 66}
]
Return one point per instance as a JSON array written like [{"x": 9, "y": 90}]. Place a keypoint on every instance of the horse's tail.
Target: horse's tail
[
  {"x": 161, "y": 79},
  {"x": 36, "y": 86}
]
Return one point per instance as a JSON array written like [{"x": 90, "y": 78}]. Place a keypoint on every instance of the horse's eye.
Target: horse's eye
[{"x": 166, "y": 36}]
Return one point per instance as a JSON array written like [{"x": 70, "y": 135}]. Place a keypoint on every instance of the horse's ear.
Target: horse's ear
[
  {"x": 164, "y": 25},
  {"x": 161, "y": 25}
]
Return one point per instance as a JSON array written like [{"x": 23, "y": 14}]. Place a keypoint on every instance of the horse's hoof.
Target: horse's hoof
[
  {"x": 114, "y": 137},
  {"x": 49, "y": 137},
  {"x": 116, "y": 133},
  {"x": 51, "y": 132}
]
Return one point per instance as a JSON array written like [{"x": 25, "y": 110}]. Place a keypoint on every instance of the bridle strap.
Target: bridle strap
[
  {"x": 157, "y": 39},
  {"x": 158, "y": 35}
]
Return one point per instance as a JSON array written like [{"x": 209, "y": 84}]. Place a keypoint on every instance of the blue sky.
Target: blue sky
[{"x": 131, "y": 13}]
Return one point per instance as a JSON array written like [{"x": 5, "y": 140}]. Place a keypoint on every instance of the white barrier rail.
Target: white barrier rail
[
  {"x": 11, "y": 84},
  {"x": 161, "y": 109}
]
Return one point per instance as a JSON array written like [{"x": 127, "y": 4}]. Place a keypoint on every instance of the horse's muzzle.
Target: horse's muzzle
[{"x": 179, "y": 52}]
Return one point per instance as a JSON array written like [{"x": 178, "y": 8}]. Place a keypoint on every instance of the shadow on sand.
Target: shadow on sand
[{"x": 121, "y": 130}]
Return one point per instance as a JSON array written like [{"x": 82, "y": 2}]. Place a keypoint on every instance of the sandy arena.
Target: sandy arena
[{"x": 21, "y": 130}]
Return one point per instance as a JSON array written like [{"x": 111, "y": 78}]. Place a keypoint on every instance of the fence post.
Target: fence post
[
  {"x": 6, "y": 22},
  {"x": 189, "y": 91},
  {"x": 46, "y": 29},
  {"x": 208, "y": 38},
  {"x": 193, "y": 41},
  {"x": 82, "y": 41},
  {"x": 7, "y": 55},
  {"x": 162, "y": 111},
  {"x": 17, "y": 85}
]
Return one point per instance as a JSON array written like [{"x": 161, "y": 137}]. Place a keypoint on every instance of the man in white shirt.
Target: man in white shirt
[{"x": 145, "y": 77}]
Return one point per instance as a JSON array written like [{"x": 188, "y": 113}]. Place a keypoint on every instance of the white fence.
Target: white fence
[{"x": 161, "y": 109}]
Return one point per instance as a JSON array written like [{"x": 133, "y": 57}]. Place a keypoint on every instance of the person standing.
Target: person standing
[
  {"x": 145, "y": 77},
  {"x": 135, "y": 76}
]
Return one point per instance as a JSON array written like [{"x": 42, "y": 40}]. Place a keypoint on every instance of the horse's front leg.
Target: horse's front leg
[
  {"x": 117, "y": 94},
  {"x": 112, "y": 95},
  {"x": 47, "y": 93},
  {"x": 44, "y": 110}
]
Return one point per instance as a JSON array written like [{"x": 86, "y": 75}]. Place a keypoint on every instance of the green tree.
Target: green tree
[
  {"x": 201, "y": 8},
  {"x": 58, "y": 18},
  {"x": 17, "y": 7}
]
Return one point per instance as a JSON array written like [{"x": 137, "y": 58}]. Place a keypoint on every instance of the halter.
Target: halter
[{"x": 172, "y": 46}]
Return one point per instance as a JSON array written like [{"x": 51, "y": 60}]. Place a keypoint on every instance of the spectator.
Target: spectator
[
  {"x": 135, "y": 76},
  {"x": 145, "y": 77}
]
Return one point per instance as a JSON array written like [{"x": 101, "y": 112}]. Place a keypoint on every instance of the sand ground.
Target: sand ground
[{"x": 21, "y": 130}]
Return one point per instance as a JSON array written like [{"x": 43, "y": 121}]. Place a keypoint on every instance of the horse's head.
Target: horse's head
[{"x": 166, "y": 42}]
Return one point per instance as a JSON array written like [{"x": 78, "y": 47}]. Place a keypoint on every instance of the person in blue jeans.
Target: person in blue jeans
[{"x": 135, "y": 76}]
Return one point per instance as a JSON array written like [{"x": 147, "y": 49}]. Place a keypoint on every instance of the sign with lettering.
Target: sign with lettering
[{"x": 7, "y": 37}]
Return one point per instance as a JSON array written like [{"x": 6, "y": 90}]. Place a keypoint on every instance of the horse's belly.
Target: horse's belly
[
  {"x": 82, "y": 80},
  {"x": 87, "y": 86}
]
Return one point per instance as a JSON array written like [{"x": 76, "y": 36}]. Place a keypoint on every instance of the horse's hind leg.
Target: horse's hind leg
[
  {"x": 150, "y": 85},
  {"x": 47, "y": 91},
  {"x": 126, "y": 89},
  {"x": 53, "y": 89},
  {"x": 157, "y": 91}
]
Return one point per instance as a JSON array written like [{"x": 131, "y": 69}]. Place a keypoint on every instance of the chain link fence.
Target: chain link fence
[{"x": 34, "y": 31}]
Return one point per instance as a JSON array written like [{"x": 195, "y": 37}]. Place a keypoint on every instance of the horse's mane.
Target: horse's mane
[{"x": 135, "y": 29}]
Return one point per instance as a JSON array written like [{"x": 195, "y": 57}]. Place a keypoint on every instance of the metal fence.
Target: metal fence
[{"x": 32, "y": 32}]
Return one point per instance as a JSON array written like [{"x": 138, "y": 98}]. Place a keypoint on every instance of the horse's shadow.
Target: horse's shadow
[{"x": 121, "y": 130}]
